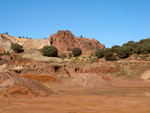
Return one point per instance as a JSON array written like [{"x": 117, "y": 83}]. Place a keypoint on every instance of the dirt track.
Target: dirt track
[
  {"x": 130, "y": 99},
  {"x": 76, "y": 104}
]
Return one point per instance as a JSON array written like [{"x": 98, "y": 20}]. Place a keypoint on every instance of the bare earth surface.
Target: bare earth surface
[
  {"x": 122, "y": 97},
  {"x": 61, "y": 84}
]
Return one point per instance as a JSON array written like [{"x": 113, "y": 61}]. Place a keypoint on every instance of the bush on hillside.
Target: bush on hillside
[
  {"x": 50, "y": 51},
  {"x": 17, "y": 47},
  {"x": 109, "y": 56},
  {"x": 142, "y": 41},
  {"x": 100, "y": 53},
  {"x": 108, "y": 50},
  {"x": 143, "y": 49},
  {"x": 76, "y": 51},
  {"x": 124, "y": 52},
  {"x": 115, "y": 48},
  {"x": 131, "y": 46},
  {"x": 129, "y": 43}
]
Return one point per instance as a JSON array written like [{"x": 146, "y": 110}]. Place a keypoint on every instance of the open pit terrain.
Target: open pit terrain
[{"x": 33, "y": 83}]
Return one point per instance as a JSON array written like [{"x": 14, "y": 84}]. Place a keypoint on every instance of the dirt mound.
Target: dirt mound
[
  {"x": 16, "y": 91},
  {"x": 88, "y": 80},
  {"x": 24, "y": 86},
  {"x": 66, "y": 41},
  {"x": 41, "y": 78}
]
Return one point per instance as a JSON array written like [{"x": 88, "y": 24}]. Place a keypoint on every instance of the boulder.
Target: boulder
[{"x": 88, "y": 80}]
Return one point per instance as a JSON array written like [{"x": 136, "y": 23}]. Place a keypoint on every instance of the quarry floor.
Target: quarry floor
[{"x": 122, "y": 97}]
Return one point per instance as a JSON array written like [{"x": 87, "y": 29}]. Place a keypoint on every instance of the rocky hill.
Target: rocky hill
[
  {"x": 66, "y": 41},
  {"x": 63, "y": 40}
]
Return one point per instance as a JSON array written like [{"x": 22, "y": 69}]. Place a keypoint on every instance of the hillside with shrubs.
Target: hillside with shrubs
[
  {"x": 117, "y": 52},
  {"x": 81, "y": 55}
]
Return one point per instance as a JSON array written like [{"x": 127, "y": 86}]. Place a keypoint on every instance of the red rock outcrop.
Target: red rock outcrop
[
  {"x": 2, "y": 51},
  {"x": 66, "y": 41}
]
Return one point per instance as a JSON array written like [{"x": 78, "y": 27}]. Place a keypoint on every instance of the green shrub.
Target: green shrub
[
  {"x": 76, "y": 51},
  {"x": 142, "y": 41},
  {"x": 129, "y": 43},
  {"x": 100, "y": 53},
  {"x": 108, "y": 50},
  {"x": 109, "y": 56},
  {"x": 143, "y": 49},
  {"x": 17, "y": 47},
  {"x": 50, "y": 51},
  {"x": 115, "y": 48},
  {"x": 124, "y": 52}
]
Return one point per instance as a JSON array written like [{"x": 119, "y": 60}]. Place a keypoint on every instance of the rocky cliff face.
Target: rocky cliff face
[{"x": 66, "y": 41}]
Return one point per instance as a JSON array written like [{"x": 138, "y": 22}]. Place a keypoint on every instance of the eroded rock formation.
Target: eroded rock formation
[{"x": 66, "y": 41}]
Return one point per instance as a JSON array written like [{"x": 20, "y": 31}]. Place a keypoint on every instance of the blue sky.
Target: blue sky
[{"x": 112, "y": 22}]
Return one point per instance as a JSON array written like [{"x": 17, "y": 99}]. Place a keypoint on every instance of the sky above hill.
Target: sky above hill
[{"x": 112, "y": 22}]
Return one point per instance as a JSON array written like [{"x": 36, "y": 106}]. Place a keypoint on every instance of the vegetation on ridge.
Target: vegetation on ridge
[{"x": 127, "y": 49}]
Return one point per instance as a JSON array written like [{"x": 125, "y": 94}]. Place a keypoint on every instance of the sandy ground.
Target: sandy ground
[{"x": 123, "y": 97}]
